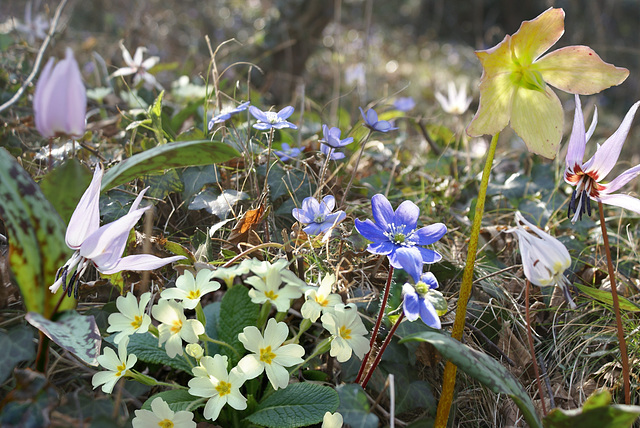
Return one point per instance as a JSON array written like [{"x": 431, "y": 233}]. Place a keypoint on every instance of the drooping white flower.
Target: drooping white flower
[
  {"x": 212, "y": 380},
  {"x": 131, "y": 318},
  {"x": 268, "y": 353},
  {"x": 102, "y": 246},
  {"x": 138, "y": 67},
  {"x": 318, "y": 300},
  {"x": 116, "y": 365},
  {"x": 456, "y": 102},
  {"x": 268, "y": 281},
  {"x": 189, "y": 290},
  {"x": 162, "y": 416},
  {"x": 347, "y": 332},
  {"x": 175, "y": 326}
]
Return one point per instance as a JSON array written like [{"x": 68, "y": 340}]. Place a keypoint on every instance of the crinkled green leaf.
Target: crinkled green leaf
[
  {"x": 145, "y": 347},
  {"x": 36, "y": 237},
  {"x": 596, "y": 412},
  {"x": 64, "y": 186},
  {"x": 177, "y": 399},
  {"x": 167, "y": 156},
  {"x": 354, "y": 406},
  {"x": 17, "y": 345},
  {"x": 299, "y": 404},
  {"x": 605, "y": 297},
  {"x": 76, "y": 333},
  {"x": 483, "y": 368},
  {"x": 212, "y": 315},
  {"x": 237, "y": 311}
]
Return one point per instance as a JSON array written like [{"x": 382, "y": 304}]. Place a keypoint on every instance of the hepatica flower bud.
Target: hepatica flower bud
[{"x": 60, "y": 99}]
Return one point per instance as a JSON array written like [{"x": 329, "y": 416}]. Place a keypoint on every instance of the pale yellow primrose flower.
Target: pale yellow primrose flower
[
  {"x": 189, "y": 290},
  {"x": 330, "y": 420},
  {"x": 116, "y": 365},
  {"x": 194, "y": 350},
  {"x": 131, "y": 318},
  {"x": 266, "y": 284},
  {"x": 175, "y": 326},
  {"x": 212, "y": 380},
  {"x": 514, "y": 82},
  {"x": 162, "y": 416},
  {"x": 347, "y": 331},
  {"x": 320, "y": 299},
  {"x": 268, "y": 353}
]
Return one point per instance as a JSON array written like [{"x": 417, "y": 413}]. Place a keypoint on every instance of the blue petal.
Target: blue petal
[
  {"x": 263, "y": 126},
  {"x": 429, "y": 256},
  {"x": 411, "y": 306},
  {"x": 382, "y": 211},
  {"x": 429, "y": 234},
  {"x": 429, "y": 279},
  {"x": 301, "y": 216},
  {"x": 316, "y": 228},
  {"x": 407, "y": 214},
  {"x": 384, "y": 248},
  {"x": 285, "y": 112},
  {"x": 258, "y": 114},
  {"x": 428, "y": 314},
  {"x": 336, "y": 217},
  {"x": 410, "y": 259},
  {"x": 370, "y": 230}
]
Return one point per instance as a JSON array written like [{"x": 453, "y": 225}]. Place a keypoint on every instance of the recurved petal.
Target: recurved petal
[
  {"x": 577, "y": 141},
  {"x": 494, "y": 109},
  {"x": 382, "y": 211},
  {"x": 86, "y": 218},
  {"x": 607, "y": 154},
  {"x": 140, "y": 262},
  {"x": 579, "y": 70},
  {"x": 429, "y": 256},
  {"x": 624, "y": 201},
  {"x": 538, "y": 119},
  {"x": 621, "y": 180},
  {"x": 535, "y": 37}
]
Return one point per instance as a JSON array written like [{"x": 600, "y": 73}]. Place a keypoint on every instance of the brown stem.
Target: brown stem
[
  {"x": 384, "y": 346},
  {"x": 616, "y": 308},
  {"x": 532, "y": 348},
  {"x": 374, "y": 332}
]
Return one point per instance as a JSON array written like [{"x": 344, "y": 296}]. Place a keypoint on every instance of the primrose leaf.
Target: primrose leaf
[
  {"x": 145, "y": 347},
  {"x": 177, "y": 399},
  {"x": 237, "y": 311},
  {"x": 354, "y": 406}
]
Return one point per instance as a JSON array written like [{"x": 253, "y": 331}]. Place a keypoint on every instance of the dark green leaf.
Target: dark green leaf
[
  {"x": 237, "y": 311},
  {"x": 17, "y": 345},
  {"x": 160, "y": 186},
  {"x": 195, "y": 178},
  {"x": 299, "y": 404},
  {"x": 354, "y": 407},
  {"x": 212, "y": 315},
  {"x": 482, "y": 368},
  {"x": 167, "y": 156},
  {"x": 145, "y": 347},
  {"x": 177, "y": 399},
  {"x": 605, "y": 297}
]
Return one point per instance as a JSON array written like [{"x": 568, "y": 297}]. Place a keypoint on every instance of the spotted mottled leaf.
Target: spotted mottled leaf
[
  {"x": 76, "y": 333},
  {"x": 36, "y": 237}
]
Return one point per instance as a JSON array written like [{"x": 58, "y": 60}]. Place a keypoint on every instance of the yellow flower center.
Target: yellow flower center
[
  {"x": 266, "y": 356},
  {"x": 121, "y": 368},
  {"x": 166, "y": 423},
  {"x": 223, "y": 388},
  {"x": 193, "y": 294},
  {"x": 322, "y": 301},
  {"x": 271, "y": 295},
  {"x": 345, "y": 332},
  {"x": 176, "y": 327},
  {"x": 137, "y": 322}
]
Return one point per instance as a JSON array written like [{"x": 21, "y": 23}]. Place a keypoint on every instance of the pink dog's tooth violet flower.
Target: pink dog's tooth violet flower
[
  {"x": 515, "y": 82},
  {"x": 60, "y": 99},
  {"x": 102, "y": 246},
  {"x": 587, "y": 176}
]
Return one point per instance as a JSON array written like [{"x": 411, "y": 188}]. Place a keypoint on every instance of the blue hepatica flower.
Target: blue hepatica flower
[
  {"x": 317, "y": 215},
  {"x": 371, "y": 121},
  {"x": 226, "y": 114},
  {"x": 331, "y": 142},
  {"x": 394, "y": 230},
  {"x": 271, "y": 119},
  {"x": 421, "y": 299},
  {"x": 287, "y": 152},
  {"x": 404, "y": 104}
]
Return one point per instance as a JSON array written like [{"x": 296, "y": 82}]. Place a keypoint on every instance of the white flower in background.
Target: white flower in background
[
  {"x": 456, "y": 102},
  {"x": 194, "y": 350},
  {"x": 347, "y": 332},
  {"x": 162, "y": 416},
  {"x": 268, "y": 353},
  {"x": 228, "y": 274},
  {"x": 266, "y": 284},
  {"x": 116, "y": 365},
  {"x": 330, "y": 420},
  {"x": 138, "y": 67},
  {"x": 320, "y": 299},
  {"x": 33, "y": 29},
  {"x": 189, "y": 290},
  {"x": 131, "y": 318},
  {"x": 212, "y": 380},
  {"x": 175, "y": 326},
  {"x": 544, "y": 258}
]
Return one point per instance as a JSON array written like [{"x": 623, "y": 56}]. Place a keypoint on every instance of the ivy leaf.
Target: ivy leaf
[
  {"x": 177, "y": 399},
  {"x": 17, "y": 345},
  {"x": 299, "y": 404},
  {"x": 354, "y": 406},
  {"x": 195, "y": 178},
  {"x": 76, "y": 333},
  {"x": 237, "y": 311}
]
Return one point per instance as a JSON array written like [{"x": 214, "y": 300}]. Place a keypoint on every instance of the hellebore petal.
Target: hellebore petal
[
  {"x": 494, "y": 108},
  {"x": 535, "y": 37}
]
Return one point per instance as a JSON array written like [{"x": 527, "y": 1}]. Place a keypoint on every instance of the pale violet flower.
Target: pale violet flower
[
  {"x": 162, "y": 416},
  {"x": 270, "y": 119},
  {"x": 175, "y": 327},
  {"x": 138, "y": 67},
  {"x": 60, "y": 99},
  {"x": 32, "y": 29},
  {"x": 456, "y": 101},
  {"x": 317, "y": 215},
  {"x": 102, "y": 246},
  {"x": 287, "y": 152},
  {"x": 404, "y": 104},
  {"x": 587, "y": 176},
  {"x": 117, "y": 366},
  {"x": 544, "y": 258},
  {"x": 331, "y": 142},
  {"x": 189, "y": 290},
  {"x": 212, "y": 380},
  {"x": 269, "y": 354},
  {"x": 331, "y": 420},
  {"x": 371, "y": 121},
  {"x": 274, "y": 283},
  {"x": 131, "y": 317},
  {"x": 226, "y": 114},
  {"x": 347, "y": 332},
  {"x": 319, "y": 300}
]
